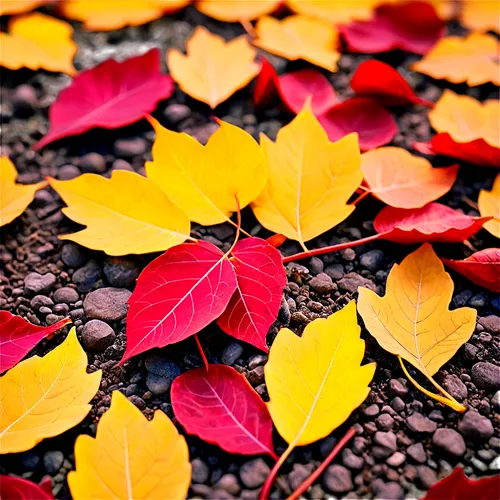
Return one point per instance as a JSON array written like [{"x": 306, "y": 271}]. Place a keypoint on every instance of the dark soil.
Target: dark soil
[{"x": 400, "y": 449}]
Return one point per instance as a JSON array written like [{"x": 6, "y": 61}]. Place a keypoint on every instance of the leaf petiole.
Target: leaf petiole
[
  {"x": 266, "y": 489},
  {"x": 202, "y": 352}
]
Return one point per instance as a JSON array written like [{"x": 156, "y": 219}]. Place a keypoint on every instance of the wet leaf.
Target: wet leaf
[
  {"x": 489, "y": 206},
  {"x": 233, "y": 11},
  {"x": 17, "y": 488}
]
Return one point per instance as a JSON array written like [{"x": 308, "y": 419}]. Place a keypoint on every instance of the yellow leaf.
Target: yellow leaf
[
  {"x": 44, "y": 397},
  {"x": 9, "y": 7},
  {"x": 204, "y": 180},
  {"x": 14, "y": 198},
  {"x": 473, "y": 60},
  {"x": 299, "y": 37},
  {"x": 310, "y": 179},
  {"x": 480, "y": 15},
  {"x": 37, "y": 41},
  {"x": 131, "y": 457},
  {"x": 315, "y": 381},
  {"x": 233, "y": 11},
  {"x": 412, "y": 320},
  {"x": 489, "y": 206},
  {"x": 335, "y": 11},
  {"x": 126, "y": 214}
]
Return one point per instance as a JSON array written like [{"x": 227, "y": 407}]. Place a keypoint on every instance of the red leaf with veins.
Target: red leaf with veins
[
  {"x": 111, "y": 95},
  {"x": 254, "y": 305},
  {"x": 482, "y": 268},
  {"x": 17, "y": 488},
  {"x": 221, "y": 407},
  {"x": 18, "y": 337},
  {"x": 177, "y": 295},
  {"x": 266, "y": 84}
]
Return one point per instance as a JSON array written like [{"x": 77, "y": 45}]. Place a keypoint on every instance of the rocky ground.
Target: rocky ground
[{"x": 405, "y": 442}]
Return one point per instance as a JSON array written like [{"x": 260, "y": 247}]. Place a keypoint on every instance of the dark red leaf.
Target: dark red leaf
[
  {"x": 220, "y": 406},
  {"x": 177, "y": 295},
  {"x": 17, "y": 488},
  {"x": 255, "y": 304},
  {"x": 266, "y": 84},
  {"x": 482, "y": 268},
  {"x": 111, "y": 95},
  {"x": 18, "y": 337},
  {"x": 410, "y": 26}
]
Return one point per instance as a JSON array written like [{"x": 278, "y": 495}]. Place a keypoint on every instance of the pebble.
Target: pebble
[
  {"x": 107, "y": 304},
  {"x": 73, "y": 255},
  {"x": 338, "y": 479},
  {"x": 200, "y": 471},
  {"x": 322, "y": 283},
  {"x": 387, "y": 491},
  {"x": 300, "y": 472},
  {"x": 92, "y": 163},
  {"x": 38, "y": 284},
  {"x": 97, "y": 336},
  {"x": 486, "y": 376},
  {"x": 372, "y": 260},
  {"x": 495, "y": 401},
  {"x": 449, "y": 442},
  {"x": 61, "y": 309},
  {"x": 228, "y": 483},
  {"x": 66, "y": 295},
  {"x": 335, "y": 271},
  {"x": 479, "y": 300},
  {"x": 53, "y": 318},
  {"x": 417, "y": 453},
  {"x": 386, "y": 439},
  {"x": 475, "y": 427},
  {"x": 39, "y": 301},
  {"x": 349, "y": 459},
  {"x": 161, "y": 373},
  {"x": 455, "y": 387},
  {"x": 419, "y": 423},
  {"x": 477, "y": 464},
  {"x": 385, "y": 422},
  {"x": 254, "y": 473},
  {"x": 426, "y": 476},
  {"x": 128, "y": 148},
  {"x": 495, "y": 464},
  {"x": 462, "y": 298},
  {"x": 120, "y": 272},
  {"x": 68, "y": 172},
  {"x": 52, "y": 461},
  {"x": 397, "y": 388},
  {"x": 256, "y": 376},
  {"x": 371, "y": 411},
  {"x": 284, "y": 314},
  {"x": 231, "y": 353},
  {"x": 490, "y": 324},
  {"x": 87, "y": 277},
  {"x": 176, "y": 113},
  {"x": 397, "y": 459},
  {"x": 352, "y": 281},
  {"x": 30, "y": 460},
  {"x": 397, "y": 404}
]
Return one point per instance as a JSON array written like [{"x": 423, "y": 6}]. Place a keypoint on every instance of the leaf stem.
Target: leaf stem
[
  {"x": 362, "y": 196},
  {"x": 266, "y": 489},
  {"x": 238, "y": 226},
  {"x": 202, "y": 352}
]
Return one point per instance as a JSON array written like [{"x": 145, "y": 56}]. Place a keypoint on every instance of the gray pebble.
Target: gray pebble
[
  {"x": 87, "y": 277},
  {"x": 66, "y": 295},
  {"x": 52, "y": 461},
  {"x": 120, "y": 272},
  {"x": 449, "y": 442},
  {"x": 92, "y": 163},
  {"x": 39, "y": 301},
  {"x": 107, "y": 304},
  {"x": 97, "y": 336},
  {"x": 231, "y": 353},
  {"x": 73, "y": 255},
  {"x": 419, "y": 423},
  {"x": 39, "y": 284},
  {"x": 322, "y": 283},
  {"x": 254, "y": 473},
  {"x": 475, "y": 427},
  {"x": 337, "y": 479},
  {"x": 372, "y": 260},
  {"x": 486, "y": 376}
]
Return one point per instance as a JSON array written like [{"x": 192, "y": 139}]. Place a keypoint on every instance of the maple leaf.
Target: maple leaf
[
  {"x": 27, "y": 45},
  {"x": 233, "y": 11},
  {"x": 54, "y": 391},
  {"x": 213, "y": 69},
  {"x": 111, "y": 95},
  {"x": 310, "y": 179},
  {"x": 489, "y": 206},
  {"x": 15, "y": 197},
  {"x": 17, "y": 488},
  {"x": 221, "y": 407},
  {"x": 480, "y": 16},
  {"x": 413, "y": 321},
  {"x": 124, "y": 214},
  {"x": 402, "y": 180},
  {"x": 299, "y": 37},
  {"x": 9, "y": 7}
]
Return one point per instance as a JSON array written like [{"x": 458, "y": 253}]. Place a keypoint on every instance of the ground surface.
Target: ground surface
[{"x": 398, "y": 451}]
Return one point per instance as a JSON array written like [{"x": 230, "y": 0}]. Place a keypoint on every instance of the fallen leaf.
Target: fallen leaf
[
  {"x": 54, "y": 391},
  {"x": 213, "y": 69},
  {"x": 310, "y": 394},
  {"x": 482, "y": 268},
  {"x": 111, "y": 95},
  {"x": 234, "y": 11},
  {"x": 29, "y": 45},
  {"x": 473, "y": 60},
  {"x": 232, "y": 157},
  {"x": 126, "y": 214},
  {"x": 403, "y": 180},
  {"x": 254, "y": 306},
  {"x": 15, "y": 197},
  {"x": 299, "y": 37},
  {"x": 17, "y": 488},
  {"x": 221, "y": 407},
  {"x": 266, "y": 84},
  {"x": 480, "y": 16},
  {"x": 409, "y": 26},
  {"x": 18, "y": 337},
  {"x": 489, "y": 206},
  {"x": 9, "y": 7},
  {"x": 177, "y": 295},
  {"x": 310, "y": 179}
]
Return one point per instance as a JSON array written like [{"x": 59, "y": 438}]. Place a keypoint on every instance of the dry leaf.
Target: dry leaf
[
  {"x": 233, "y": 11},
  {"x": 489, "y": 206},
  {"x": 125, "y": 214},
  {"x": 480, "y": 15},
  {"x": 9, "y": 7},
  {"x": 44, "y": 397},
  {"x": 213, "y": 69},
  {"x": 131, "y": 457},
  {"x": 310, "y": 179},
  {"x": 299, "y": 37}
]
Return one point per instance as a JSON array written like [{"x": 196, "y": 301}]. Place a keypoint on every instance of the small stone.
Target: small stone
[
  {"x": 396, "y": 459},
  {"x": 397, "y": 404},
  {"x": 490, "y": 324},
  {"x": 486, "y": 376},
  {"x": 120, "y": 164},
  {"x": 477, "y": 464},
  {"x": 372, "y": 260},
  {"x": 38, "y": 284},
  {"x": 486, "y": 455},
  {"x": 97, "y": 336},
  {"x": 120, "y": 272},
  {"x": 200, "y": 471},
  {"x": 256, "y": 376},
  {"x": 300, "y": 473},
  {"x": 107, "y": 304},
  {"x": 455, "y": 387},
  {"x": 426, "y": 476},
  {"x": 385, "y": 422},
  {"x": 254, "y": 473},
  {"x": 338, "y": 479},
  {"x": 161, "y": 374},
  {"x": 30, "y": 460},
  {"x": 335, "y": 271},
  {"x": 66, "y": 295},
  {"x": 349, "y": 459},
  {"x": 176, "y": 113},
  {"x": 387, "y": 491},
  {"x": 479, "y": 300},
  {"x": 284, "y": 315},
  {"x": 52, "y": 461},
  {"x": 229, "y": 483},
  {"x": 449, "y": 442},
  {"x": 417, "y": 453},
  {"x": 53, "y": 318},
  {"x": 231, "y": 353},
  {"x": 495, "y": 402},
  {"x": 92, "y": 163},
  {"x": 495, "y": 464},
  {"x": 436, "y": 416},
  {"x": 203, "y": 132},
  {"x": 25, "y": 98},
  {"x": 128, "y": 148},
  {"x": 475, "y": 427},
  {"x": 87, "y": 277},
  {"x": 371, "y": 411},
  {"x": 68, "y": 172},
  {"x": 316, "y": 265},
  {"x": 397, "y": 388},
  {"x": 386, "y": 439},
  {"x": 61, "y": 309},
  {"x": 322, "y": 283},
  {"x": 39, "y": 301},
  {"x": 462, "y": 298},
  {"x": 45, "y": 310},
  {"x": 73, "y": 255},
  {"x": 419, "y": 423},
  {"x": 256, "y": 360},
  {"x": 352, "y": 281}
]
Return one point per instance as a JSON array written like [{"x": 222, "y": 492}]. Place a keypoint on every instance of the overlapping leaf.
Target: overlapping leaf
[
  {"x": 234, "y": 11},
  {"x": 480, "y": 16},
  {"x": 17, "y": 488},
  {"x": 9, "y": 7},
  {"x": 489, "y": 206}
]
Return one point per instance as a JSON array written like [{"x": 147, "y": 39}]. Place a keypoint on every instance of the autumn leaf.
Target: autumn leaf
[
  {"x": 232, "y": 157},
  {"x": 111, "y": 95},
  {"x": 489, "y": 206},
  {"x": 131, "y": 457},
  {"x": 480, "y": 16},
  {"x": 15, "y": 197},
  {"x": 125, "y": 214},
  {"x": 17, "y": 488},
  {"x": 233, "y": 11},
  {"x": 299, "y": 37},
  {"x": 221, "y": 407},
  {"x": 54, "y": 391},
  {"x": 9, "y": 7},
  {"x": 403, "y": 180},
  {"x": 473, "y": 60},
  {"x": 413, "y": 321},
  {"x": 310, "y": 179},
  {"x": 213, "y": 69}
]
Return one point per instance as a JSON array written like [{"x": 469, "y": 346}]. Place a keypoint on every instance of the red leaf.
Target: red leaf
[
  {"x": 276, "y": 240},
  {"x": 411, "y": 26},
  {"x": 18, "y": 337},
  {"x": 266, "y": 84},
  {"x": 255, "y": 304},
  {"x": 220, "y": 406},
  {"x": 482, "y": 268},
  {"x": 457, "y": 486},
  {"x": 177, "y": 295},
  {"x": 373, "y": 123},
  {"x": 382, "y": 82},
  {"x": 17, "y": 488},
  {"x": 432, "y": 222},
  {"x": 111, "y": 95}
]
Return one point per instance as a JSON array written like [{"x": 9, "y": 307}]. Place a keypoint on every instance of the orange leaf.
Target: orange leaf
[
  {"x": 233, "y": 11},
  {"x": 480, "y": 15},
  {"x": 213, "y": 69},
  {"x": 9, "y": 7}
]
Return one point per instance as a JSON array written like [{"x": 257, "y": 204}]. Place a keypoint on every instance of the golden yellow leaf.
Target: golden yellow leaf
[
  {"x": 44, "y": 397},
  {"x": 473, "y": 60},
  {"x": 213, "y": 69},
  {"x": 9, "y": 7},
  {"x": 412, "y": 320},
  {"x": 310, "y": 179},
  {"x": 233, "y": 11},
  {"x": 14, "y": 198},
  {"x": 131, "y": 457},
  {"x": 299, "y": 37},
  {"x": 126, "y": 214},
  {"x": 204, "y": 180},
  {"x": 480, "y": 15},
  {"x": 489, "y": 206},
  {"x": 37, "y": 41}
]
